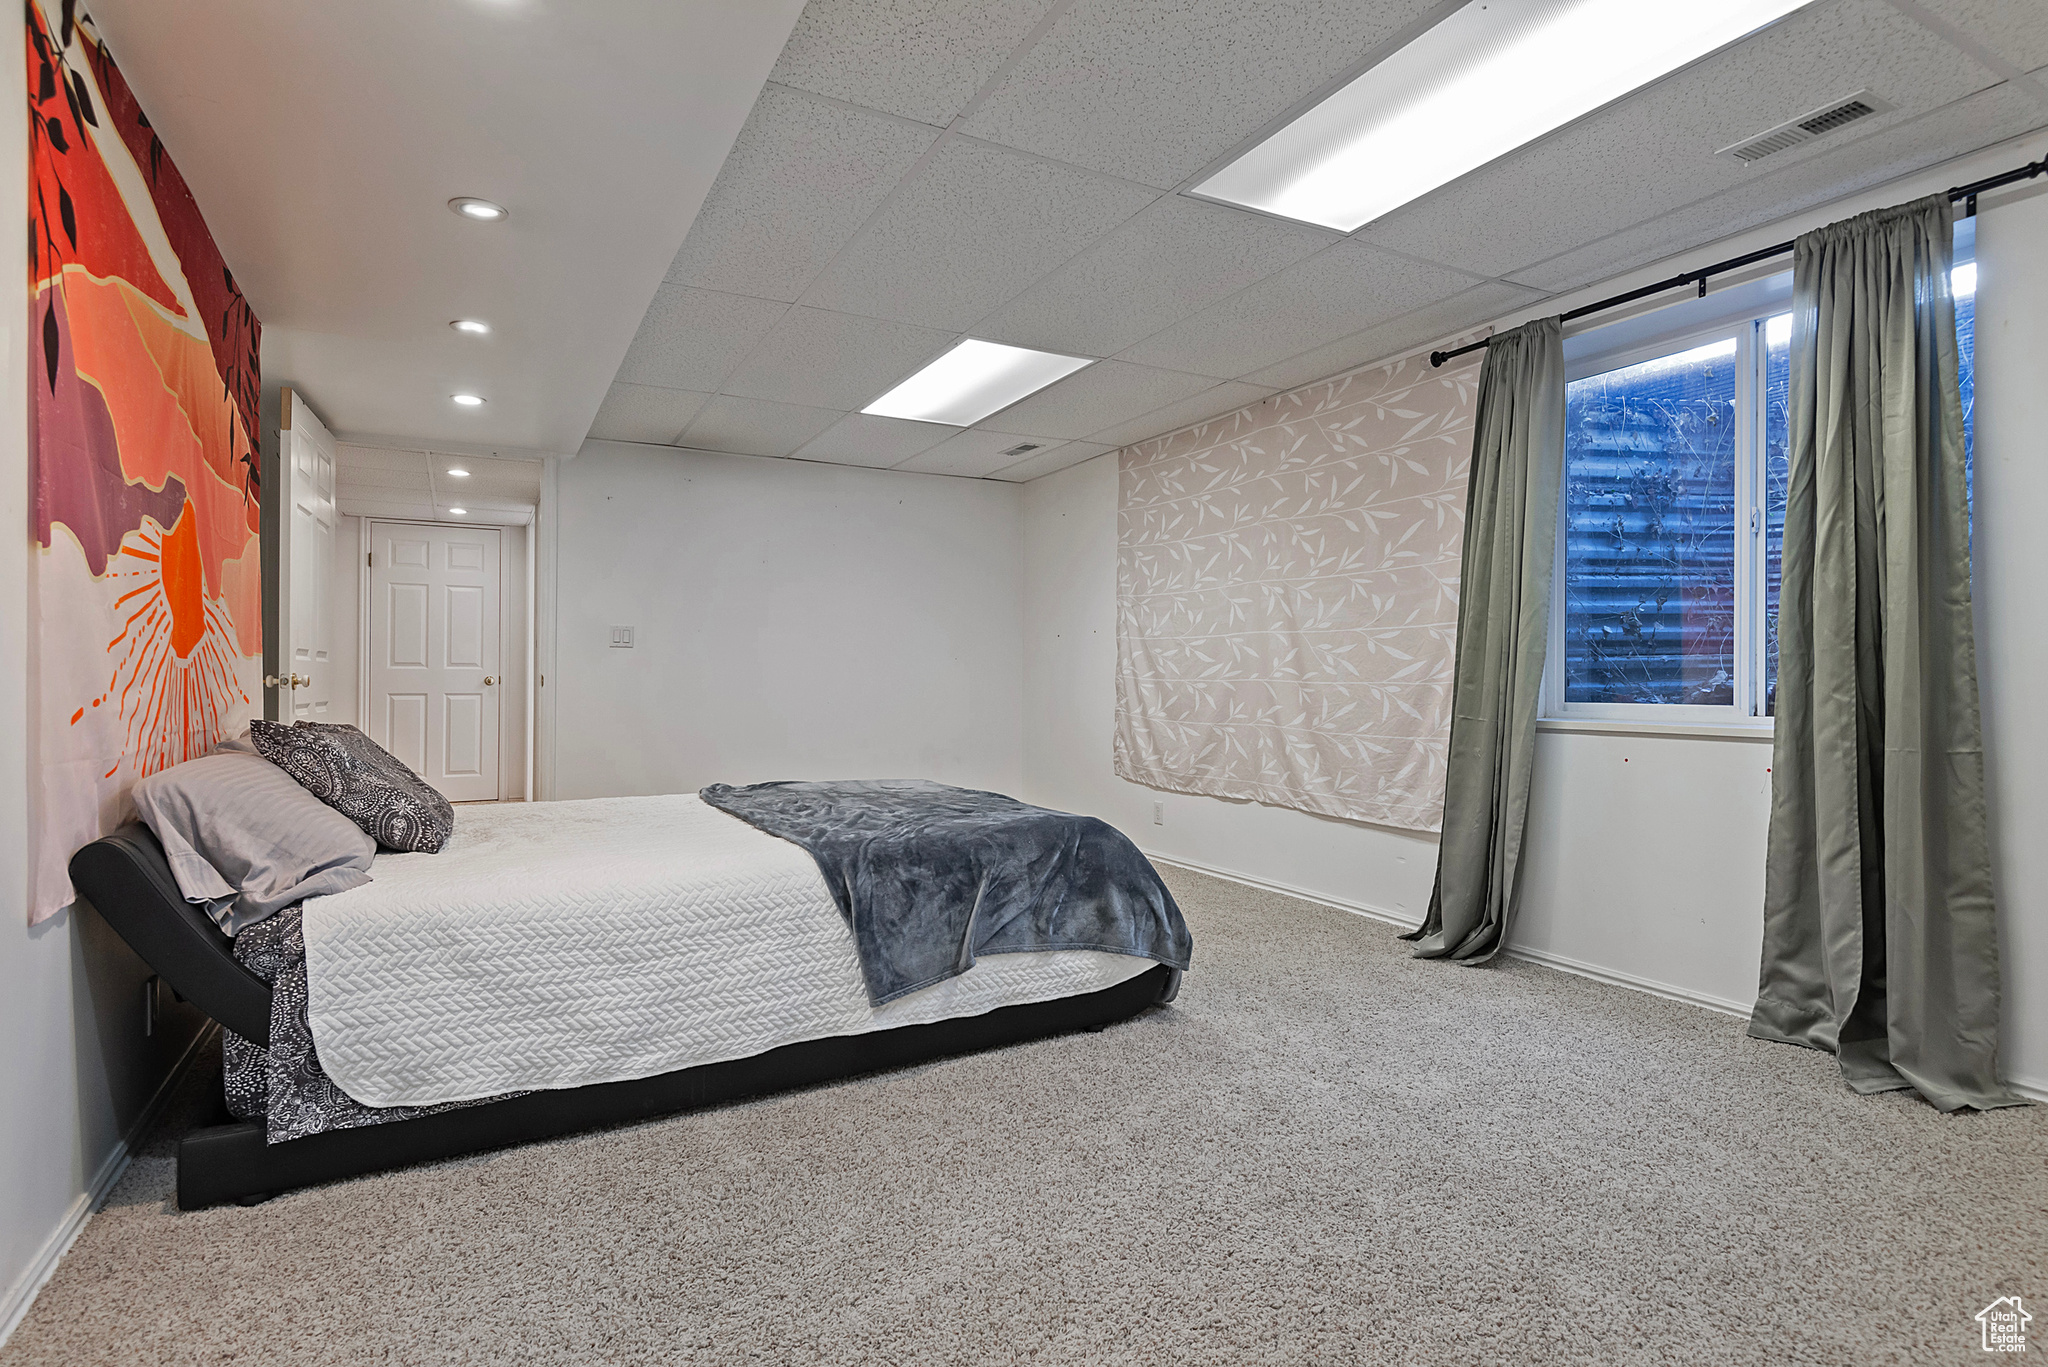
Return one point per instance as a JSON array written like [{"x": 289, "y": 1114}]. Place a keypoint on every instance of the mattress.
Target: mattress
[{"x": 563, "y": 944}]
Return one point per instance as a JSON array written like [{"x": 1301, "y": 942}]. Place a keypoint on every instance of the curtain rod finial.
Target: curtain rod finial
[{"x": 1436, "y": 359}]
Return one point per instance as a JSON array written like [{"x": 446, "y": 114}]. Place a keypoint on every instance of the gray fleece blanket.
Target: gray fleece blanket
[{"x": 931, "y": 876}]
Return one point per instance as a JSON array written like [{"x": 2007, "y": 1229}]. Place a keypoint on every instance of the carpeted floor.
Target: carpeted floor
[{"x": 1324, "y": 1152}]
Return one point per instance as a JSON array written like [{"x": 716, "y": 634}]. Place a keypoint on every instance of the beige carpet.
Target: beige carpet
[{"x": 1325, "y": 1152}]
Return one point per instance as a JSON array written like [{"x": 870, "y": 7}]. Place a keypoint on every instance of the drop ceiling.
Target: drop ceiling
[
  {"x": 916, "y": 171},
  {"x": 735, "y": 225},
  {"x": 323, "y": 139},
  {"x": 373, "y": 481}
]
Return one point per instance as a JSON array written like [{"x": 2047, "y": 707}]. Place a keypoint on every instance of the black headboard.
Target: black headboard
[{"x": 128, "y": 881}]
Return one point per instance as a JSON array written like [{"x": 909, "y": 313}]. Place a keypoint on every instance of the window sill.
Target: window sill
[{"x": 1743, "y": 731}]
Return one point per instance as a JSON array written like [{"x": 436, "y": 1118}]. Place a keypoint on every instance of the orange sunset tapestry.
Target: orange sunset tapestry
[{"x": 147, "y": 617}]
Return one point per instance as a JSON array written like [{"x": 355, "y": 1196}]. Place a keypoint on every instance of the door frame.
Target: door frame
[
  {"x": 363, "y": 646},
  {"x": 283, "y": 429}
]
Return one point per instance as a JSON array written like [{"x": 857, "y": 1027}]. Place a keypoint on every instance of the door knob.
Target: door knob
[{"x": 489, "y": 680}]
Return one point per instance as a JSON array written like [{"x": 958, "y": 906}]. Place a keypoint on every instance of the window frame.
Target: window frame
[
  {"x": 1745, "y": 305},
  {"x": 1746, "y": 712}
]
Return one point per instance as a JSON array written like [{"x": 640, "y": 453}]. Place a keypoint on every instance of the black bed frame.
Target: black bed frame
[{"x": 127, "y": 880}]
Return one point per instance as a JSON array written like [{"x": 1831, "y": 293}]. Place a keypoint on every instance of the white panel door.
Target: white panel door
[
  {"x": 304, "y": 686},
  {"x": 435, "y": 675}
]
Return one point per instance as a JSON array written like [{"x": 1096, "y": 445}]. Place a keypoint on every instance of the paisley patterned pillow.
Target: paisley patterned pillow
[{"x": 360, "y": 779}]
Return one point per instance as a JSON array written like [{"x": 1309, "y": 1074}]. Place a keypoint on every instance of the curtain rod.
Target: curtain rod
[{"x": 1967, "y": 193}]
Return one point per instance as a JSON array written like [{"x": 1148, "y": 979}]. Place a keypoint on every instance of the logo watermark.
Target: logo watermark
[{"x": 2004, "y": 1322}]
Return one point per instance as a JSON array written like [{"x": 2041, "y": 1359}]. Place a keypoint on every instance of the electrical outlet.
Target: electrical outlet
[
  {"x": 1159, "y": 813},
  {"x": 622, "y": 638}
]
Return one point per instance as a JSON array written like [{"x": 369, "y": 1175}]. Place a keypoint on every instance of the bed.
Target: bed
[{"x": 566, "y": 966}]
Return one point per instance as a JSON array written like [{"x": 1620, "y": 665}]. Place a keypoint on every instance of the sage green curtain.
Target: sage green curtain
[
  {"x": 1503, "y": 630},
  {"x": 1879, "y": 941}
]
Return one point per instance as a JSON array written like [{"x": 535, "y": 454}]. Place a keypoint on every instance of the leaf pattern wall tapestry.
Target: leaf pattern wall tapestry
[
  {"x": 1287, "y": 596},
  {"x": 147, "y": 623}
]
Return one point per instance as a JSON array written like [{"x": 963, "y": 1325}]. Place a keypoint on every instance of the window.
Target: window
[{"x": 1672, "y": 515}]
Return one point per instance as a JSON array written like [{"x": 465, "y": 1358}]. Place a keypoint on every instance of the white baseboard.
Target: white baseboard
[
  {"x": 2033, "y": 1091},
  {"x": 14, "y": 1305},
  {"x": 1401, "y": 919},
  {"x": 1534, "y": 956},
  {"x": 1667, "y": 991}
]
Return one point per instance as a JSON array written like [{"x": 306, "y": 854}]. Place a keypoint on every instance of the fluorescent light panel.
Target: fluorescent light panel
[
  {"x": 973, "y": 380},
  {"x": 1488, "y": 79}
]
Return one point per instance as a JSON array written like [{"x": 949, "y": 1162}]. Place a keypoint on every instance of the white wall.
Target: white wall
[
  {"x": 2012, "y": 629},
  {"x": 512, "y": 737},
  {"x": 1646, "y": 851},
  {"x": 76, "y": 1072},
  {"x": 346, "y": 588},
  {"x": 345, "y": 599},
  {"x": 792, "y": 620}
]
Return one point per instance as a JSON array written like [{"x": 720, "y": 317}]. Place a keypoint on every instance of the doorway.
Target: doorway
[{"x": 435, "y": 670}]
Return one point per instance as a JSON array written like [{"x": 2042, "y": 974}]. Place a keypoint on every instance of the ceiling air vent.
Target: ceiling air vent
[
  {"x": 1019, "y": 449},
  {"x": 1816, "y": 124}
]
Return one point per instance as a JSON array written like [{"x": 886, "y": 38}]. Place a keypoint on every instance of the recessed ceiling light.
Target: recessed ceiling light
[
  {"x": 459, "y": 474},
  {"x": 473, "y": 326},
  {"x": 1486, "y": 80},
  {"x": 482, "y": 210},
  {"x": 973, "y": 380},
  {"x": 459, "y": 512},
  {"x": 467, "y": 400}
]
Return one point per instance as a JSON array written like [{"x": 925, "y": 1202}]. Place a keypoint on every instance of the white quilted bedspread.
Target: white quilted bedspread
[{"x": 556, "y": 944}]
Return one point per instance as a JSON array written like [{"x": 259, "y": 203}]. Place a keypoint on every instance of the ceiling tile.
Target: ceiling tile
[
  {"x": 1424, "y": 327},
  {"x": 864, "y": 439},
  {"x": 1979, "y": 121},
  {"x": 977, "y": 451},
  {"x": 1047, "y": 462},
  {"x": 1092, "y": 399},
  {"x": 518, "y": 480},
  {"x": 356, "y": 505},
  {"x": 638, "y": 412},
  {"x": 471, "y": 504},
  {"x": 1332, "y": 294},
  {"x": 1186, "y": 413},
  {"x": 2017, "y": 30},
  {"x": 1655, "y": 151},
  {"x": 976, "y": 225},
  {"x": 1153, "y": 90},
  {"x": 492, "y": 493},
  {"x": 803, "y": 177},
  {"x": 349, "y": 457},
  {"x": 383, "y": 478},
  {"x": 834, "y": 360},
  {"x": 922, "y": 59},
  {"x": 1174, "y": 257},
  {"x": 690, "y": 338},
  {"x": 754, "y": 427}
]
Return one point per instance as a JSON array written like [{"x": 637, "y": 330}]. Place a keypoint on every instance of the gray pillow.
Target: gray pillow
[
  {"x": 241, "y": 744},
  {"x": 360, "y": 779},
  {"x": 245, "y": 841}
]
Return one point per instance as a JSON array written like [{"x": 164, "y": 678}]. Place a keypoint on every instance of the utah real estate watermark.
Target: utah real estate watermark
[{"x": 2004, "y": 1323}]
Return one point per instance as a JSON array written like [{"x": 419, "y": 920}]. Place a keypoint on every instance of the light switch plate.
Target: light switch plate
[{"x": 622, "y": 638}]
